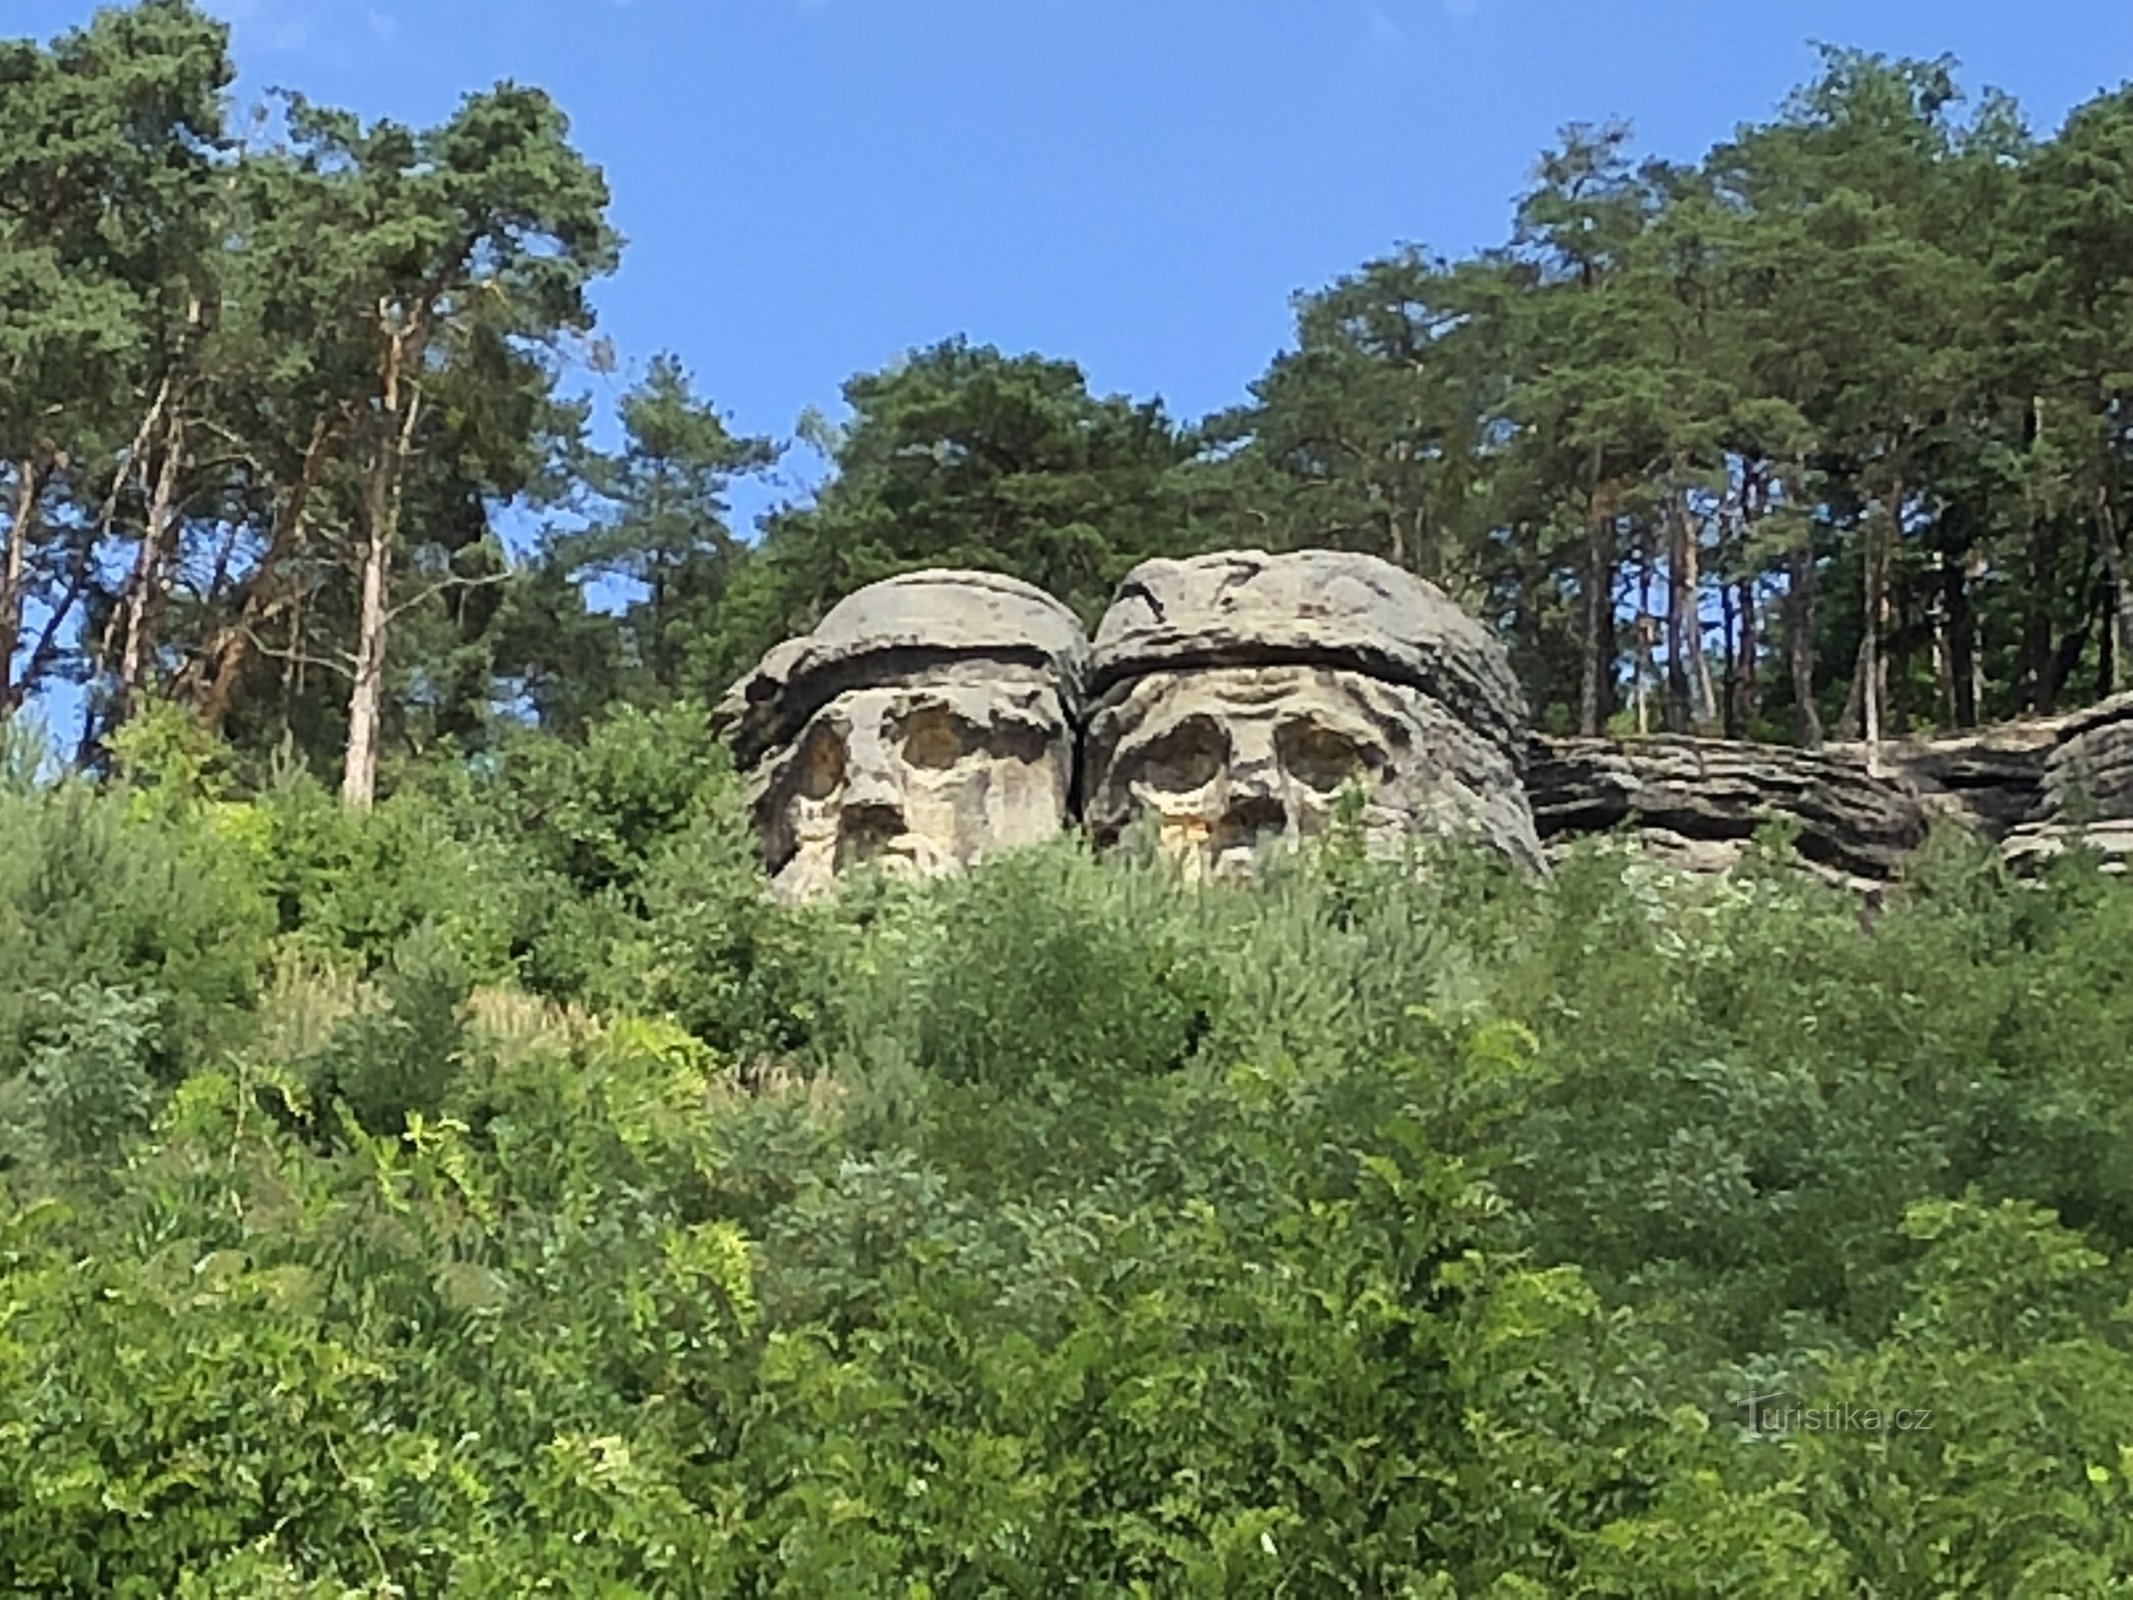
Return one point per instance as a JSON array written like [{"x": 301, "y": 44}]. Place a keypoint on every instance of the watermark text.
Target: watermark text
[{"x": 1779, "y": 1412}]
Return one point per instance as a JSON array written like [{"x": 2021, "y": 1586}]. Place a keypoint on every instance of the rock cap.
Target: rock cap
[
  {"x": 1331, "y": 608},
  {"x": 912, "y": 623}
]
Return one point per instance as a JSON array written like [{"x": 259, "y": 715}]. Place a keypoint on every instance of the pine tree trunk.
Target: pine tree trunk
[
  {"x": 381, "y": 513},
  {"x": 1896, "y": 660},
  {"x": 1598, "y": 598},
  {"x": 1851, "y": 717},
  {"x": 1528, "y": 610},
  {"x": 2107, "y": 653},
  {"x": 2114, "y": 566},
  {"x": 107, "y": 641},
  {"x": 2037, "y": 618},
  {"x": 1745, "y": 698},
  {"x": 1967, "y": 636},
  {"x": 1744, "y": 640},
  {"x": 1868, "y": 700},
  {"x": 2039, "y": 690},
  {"x": 14, "y": 563},
  {"x": 359, "y": 773},
  {"x": 138, "y": 639},
  {"x": 1677, "y": 620},
  {"x": 292, "y": 668},
  {"x": 1641, "y": 669},
  {"x": 1703, "y": 709},
  {"x": 1800, "y": 640},
  {"x": 221, "y": 665},
  {"x": 1943, "y": 645},
  {"x": 1868, "y": 686},
  {"x": 1958, "y": 616},
  {"x": 1728, "y": 658},
  {"x": 1429, "y": 548}
]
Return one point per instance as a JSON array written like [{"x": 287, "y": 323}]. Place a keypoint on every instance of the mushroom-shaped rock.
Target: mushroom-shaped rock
[
  {"x": 926, "y": 722},
  {"x": 1237, "y": 695}
]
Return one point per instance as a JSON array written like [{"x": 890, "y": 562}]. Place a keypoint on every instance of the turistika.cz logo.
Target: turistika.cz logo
[{"x": 1768, "y": 1414}]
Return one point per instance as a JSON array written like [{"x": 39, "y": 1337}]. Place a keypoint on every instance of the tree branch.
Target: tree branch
[
  {"x": 345, "y": 666},
  {"x": 431, "y": 591}
]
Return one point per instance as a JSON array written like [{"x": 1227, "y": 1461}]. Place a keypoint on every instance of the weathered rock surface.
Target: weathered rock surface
[
  {"x": 2033, "y": 844},
  {"x": 2085, "y": 790},
  {"x": 2031, "y": 787},
  {"x": 918, "y": 621},
  {"x": 1236, "y": 695},
  {"x": 1990, "y": 780},
  {"x": 1230, "y": 699},
  {"x": 928, "y": 721},
  {"x": 1316, "y": 608},
  {"x": 1698, "y": 802},
  {"x": 2088, "y": 774}
]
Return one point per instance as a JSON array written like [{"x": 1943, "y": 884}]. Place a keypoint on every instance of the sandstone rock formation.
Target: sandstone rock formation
[
  {"x": 2032, "y": 787},
  {"x": 927, "y": 721},
  {"x": 1234, "y": 695},
  {"x": 1698, "y": 802},
  {"x": 2085, "y": 788},
  {"x": 2089, "y": 769},
  {"x": 937, "y": 717}
]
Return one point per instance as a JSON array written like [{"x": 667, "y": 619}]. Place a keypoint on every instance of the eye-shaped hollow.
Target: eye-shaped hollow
[
  {"x": 935, "y": 738},
  {"x": 1181, "y": 759},
  {"x": 1319, "y": 756},
  {"x": 821, "y": 771}
]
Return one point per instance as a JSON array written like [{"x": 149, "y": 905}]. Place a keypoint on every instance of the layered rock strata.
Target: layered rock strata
[
  {"x": 2085, "y": 788},
  {"x": 1698, "y": 802},
  {"x": 1235, "y": 699},
  {"x": 2031, "y": 787}
]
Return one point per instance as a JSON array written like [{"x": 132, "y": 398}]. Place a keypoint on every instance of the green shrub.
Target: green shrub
[
  {"x": 1041, "y": 970},
  {"x": 357, "y": 883},
  {"x": 402, "y": 1051},
  {"x": 87, "y": 1089},
  {"x": 709, "y": 948},
  {"x": 93, "y": 892}
]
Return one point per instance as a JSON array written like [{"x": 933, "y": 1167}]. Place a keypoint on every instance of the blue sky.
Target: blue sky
[{"x": 810, "y": 187}]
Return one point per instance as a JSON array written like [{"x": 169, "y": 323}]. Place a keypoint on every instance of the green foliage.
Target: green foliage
[
  {"x": 1384, "y": 1227},
  {"x": 1045, "y": 974},
  {"x": 710, "y": 951},
  {"x": 652, "y": 517},
  {"x": 87, "y": 1086},
  {"x": 356, "y": 883},
  {"x": 1815, "y": 430},
  {"x": 396, "y": 1057},
  {"x": 92, "y": 893}
]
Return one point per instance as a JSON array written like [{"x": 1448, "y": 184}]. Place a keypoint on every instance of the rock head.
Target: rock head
[
  {"x": 926, "y": 722},
  {"x": 1236, "y": 697}
]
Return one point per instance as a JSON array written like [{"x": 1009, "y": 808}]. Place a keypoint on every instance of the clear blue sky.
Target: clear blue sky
[{"x": 810, "y": 187}]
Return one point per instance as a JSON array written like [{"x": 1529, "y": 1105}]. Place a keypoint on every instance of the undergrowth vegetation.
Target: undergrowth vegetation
[{"x": 494, "y": 1194}]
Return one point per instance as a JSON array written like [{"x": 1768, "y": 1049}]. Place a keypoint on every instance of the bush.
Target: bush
[
  {"x": 401, "y": 1052},
  {"x": 357, "y": 883},
  {"x": 163, "y": 906},
  {"x": 87, "y": 1089}
]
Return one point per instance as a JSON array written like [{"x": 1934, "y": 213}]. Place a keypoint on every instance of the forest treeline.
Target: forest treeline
[{"x": 1826, "y": 431}]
